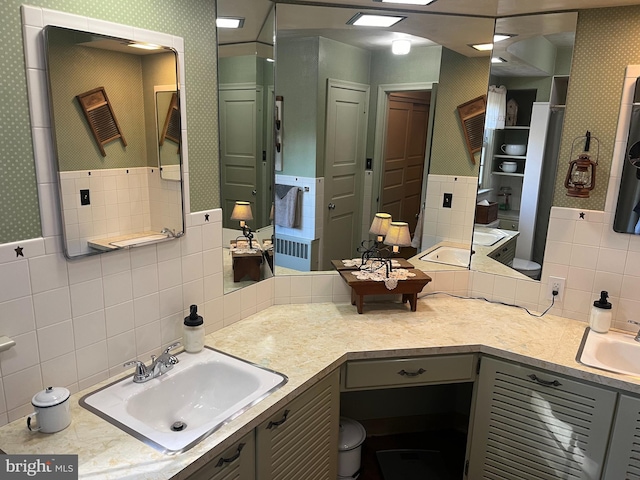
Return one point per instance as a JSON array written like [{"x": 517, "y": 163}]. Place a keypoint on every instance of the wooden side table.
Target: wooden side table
[
  {"x": 408, "y": 288},
  {"x": 246, "y": 264}
]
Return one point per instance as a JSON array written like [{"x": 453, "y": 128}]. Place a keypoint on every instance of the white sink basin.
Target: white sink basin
[
  {"x": 489, "y": 238},
  {"x": 613, "y": 351},
  {"x": 203, "y": 391}
]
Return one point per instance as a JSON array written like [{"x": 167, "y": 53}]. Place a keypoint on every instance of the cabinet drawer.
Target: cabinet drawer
[
  {"x": 506, "y": 253},
  {"x": 409, "y": 371},
  {"x": 236, "y": 463},
  {"x": 506, "y": 224}
]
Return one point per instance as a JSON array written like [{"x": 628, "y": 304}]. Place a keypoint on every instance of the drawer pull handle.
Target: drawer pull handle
[
  {"x": 545, "y": 383},
  {"x": 223, "y": 460},
  {"x": 404, "y": 373},
  {"x": 279, "y": 422}
]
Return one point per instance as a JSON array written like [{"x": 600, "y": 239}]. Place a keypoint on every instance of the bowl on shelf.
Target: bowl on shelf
[
  {"x": 513, "y": 149},
  {"x": 508, "y": 167}
]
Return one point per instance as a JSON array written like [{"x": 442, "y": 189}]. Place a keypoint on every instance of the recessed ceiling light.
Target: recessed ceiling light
[
  {"x": 401, "y": 47},
  {"x": 498, "y": 60},
  {"x": 483, "y": 47},
  {"x": 229, "y": 22},
  {"x": 498, "y": 37},
  {"x": 270, "y": 60},
  {"x": 407, "y": 2},
  {"x": 370, "y": 20},
  {"x": 145, "y": 46}
]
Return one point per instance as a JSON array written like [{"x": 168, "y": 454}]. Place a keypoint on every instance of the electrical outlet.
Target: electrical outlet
[{"x": 555, "y": 283}]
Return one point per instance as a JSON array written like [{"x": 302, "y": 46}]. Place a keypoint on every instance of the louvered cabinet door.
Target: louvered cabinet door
[
  {"x": 301, "y": 440},
  {"x": 623, "y": 462},
  {"x": 235, "y": 463},
  {"x": 535, "y": 425}
]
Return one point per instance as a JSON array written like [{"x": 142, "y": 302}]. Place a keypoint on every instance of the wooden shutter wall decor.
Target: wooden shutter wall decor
[
  {"x": 171, "y": 129},
  {"x": 99, "y": 114},
  {"x": 472, "y": 115}
]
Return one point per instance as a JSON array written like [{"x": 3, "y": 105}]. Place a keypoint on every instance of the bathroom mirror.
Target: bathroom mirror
[
  {"x": 168, "y": 131},
  {"x": 520, "y": 159},
  {"x": 103, "y": 112},
  {"x": 246, "y": 100},
  {"x": 324, "y": 64}
]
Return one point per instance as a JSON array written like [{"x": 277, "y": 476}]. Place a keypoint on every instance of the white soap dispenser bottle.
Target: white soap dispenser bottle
[
  {"x": 600, "y": 318},
  {"x": 193, "y": 331}
]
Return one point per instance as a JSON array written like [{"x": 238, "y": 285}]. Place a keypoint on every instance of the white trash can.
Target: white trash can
[{"x": 351, "y": 437}]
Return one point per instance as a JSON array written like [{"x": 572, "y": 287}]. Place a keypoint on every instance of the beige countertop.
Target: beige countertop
[{"x": 307, "y": 341}]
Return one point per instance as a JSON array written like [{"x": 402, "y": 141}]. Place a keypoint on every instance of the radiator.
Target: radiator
[{"x": 296, "y": 253}]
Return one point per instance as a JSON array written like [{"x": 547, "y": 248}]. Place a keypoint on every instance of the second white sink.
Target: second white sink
[
  {"x": 175, "y": 411},
  {"x": 613, "y": 351}
]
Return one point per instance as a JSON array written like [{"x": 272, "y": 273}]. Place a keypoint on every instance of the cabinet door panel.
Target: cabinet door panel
[
  {"x": 624, "y": 452},
  {"x": 540, "y": 427},
  {"x": 301, "y": 440}
]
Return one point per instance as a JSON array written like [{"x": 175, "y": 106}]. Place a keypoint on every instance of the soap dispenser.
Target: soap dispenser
[
  {"x": 600, "y": 318},
  {"x": 193, "y": 331}
]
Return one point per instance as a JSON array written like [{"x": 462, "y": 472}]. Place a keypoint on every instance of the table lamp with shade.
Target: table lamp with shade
[
  {"x": 242, "y": 212},
  {"x": 397, "y": 236},
  {"x": 379, "y": 227}
]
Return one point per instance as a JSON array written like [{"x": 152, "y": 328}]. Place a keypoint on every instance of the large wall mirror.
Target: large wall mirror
[
  {"x": 246, "y": 115},
  {"x": 112, "y": 125},
  {"x": 530, "y": 77},
  {"x": 359, "y": 122}
]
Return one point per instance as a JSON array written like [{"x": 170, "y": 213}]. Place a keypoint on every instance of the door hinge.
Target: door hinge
[
  {"x": 478, "y": 366},
  {"x": 466, "y": 468}
]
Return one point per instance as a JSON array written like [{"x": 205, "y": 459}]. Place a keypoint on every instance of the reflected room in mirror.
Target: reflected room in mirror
[
  {"x": 246, "y": 118},
  {"x": 103, "y": 91},
  {"x": 519, "y": 164}
]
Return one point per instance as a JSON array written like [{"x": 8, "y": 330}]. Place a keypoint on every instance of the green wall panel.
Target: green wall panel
[
  {"x": 606, "y": 42},
  {"x": 194, "y": 20}
]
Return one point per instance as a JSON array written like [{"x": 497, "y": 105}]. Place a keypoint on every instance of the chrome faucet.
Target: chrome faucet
[
  {"x": 171, "y": 233},
  {"x": 637, "y": 337},
  {"x": 159, "y": 365}
]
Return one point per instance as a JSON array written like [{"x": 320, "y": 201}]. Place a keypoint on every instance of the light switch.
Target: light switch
[
  {"x": 84, "y": 197},
  {"x": 447, "y": 200}
]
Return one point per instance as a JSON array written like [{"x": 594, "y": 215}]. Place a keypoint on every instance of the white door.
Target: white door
[
  {"x": 238, "y": 150},
  {"x": 345, "y": 150}
]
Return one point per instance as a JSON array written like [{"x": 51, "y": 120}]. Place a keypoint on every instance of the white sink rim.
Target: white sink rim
[
  {"x": 491, "y": 237},
  {"x": 592, "y": 340},
  {"x": 175, "y": 442},
  {"x": 449, "y": 256}
]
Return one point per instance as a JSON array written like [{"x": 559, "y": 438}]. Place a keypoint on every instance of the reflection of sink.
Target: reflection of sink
[
  {"x": 449, "y": 255},
  {"x": 489, "y": 238},
  {"x": 614, "y": 351},
  {"x": 140, "y": 240},
  {"x": 203, "y": 391}
]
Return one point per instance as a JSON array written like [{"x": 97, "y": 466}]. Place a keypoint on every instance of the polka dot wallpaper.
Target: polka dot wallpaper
[
  {"x": 194, "y": 20},
  {"x": 606, "y": 42}
]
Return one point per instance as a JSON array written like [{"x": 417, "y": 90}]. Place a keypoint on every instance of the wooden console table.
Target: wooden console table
[
  {"x": 408, "y": 288},
  {"x": 246, "y": 264}
]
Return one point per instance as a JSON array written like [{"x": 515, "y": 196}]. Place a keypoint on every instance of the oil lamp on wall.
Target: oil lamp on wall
[{"x": 581, "y": 176}]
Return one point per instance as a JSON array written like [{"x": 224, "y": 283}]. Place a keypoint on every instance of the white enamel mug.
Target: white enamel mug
[{"x": 52, "y": 412}]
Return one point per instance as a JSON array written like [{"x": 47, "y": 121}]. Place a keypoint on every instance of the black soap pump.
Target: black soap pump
[
  {"x": 193, "y": 331},
  {"x": 600, "y": 318}
]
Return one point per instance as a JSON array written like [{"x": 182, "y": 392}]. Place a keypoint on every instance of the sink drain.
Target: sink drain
[{"x": 178, "y": 426}]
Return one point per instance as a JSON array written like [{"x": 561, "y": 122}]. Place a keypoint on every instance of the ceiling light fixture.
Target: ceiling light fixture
[
  {"x": 369, "y": 20},
  {"x": 145, "y": 46},
  {"x": 229, "y": 22},
  {"x": 401, "y": 47},
  {"x": 498, "y": 37},
  {"x": 498, "y": 60},
  {"x": 407, "y": 2}
]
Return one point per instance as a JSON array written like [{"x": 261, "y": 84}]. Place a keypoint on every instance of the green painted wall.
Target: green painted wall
[
  {"x": 194, "y": 20},
  {"x": 461, "y": 79},
  {"x": 606, "y": 42},
  {"x": 241, "y": 69}
]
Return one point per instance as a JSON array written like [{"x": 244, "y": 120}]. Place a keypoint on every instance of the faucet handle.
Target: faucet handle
[
  {"x": 172, "y": 346},
  {"x": 141, "y": 368}
]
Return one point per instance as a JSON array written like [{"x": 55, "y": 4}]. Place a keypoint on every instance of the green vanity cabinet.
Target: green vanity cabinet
[
  {"x": 623, "y": 461},
  {"x": 235, "y": 463},
  {"x": 300, "y": 441},
  {"x": 530, "y": 423}
]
